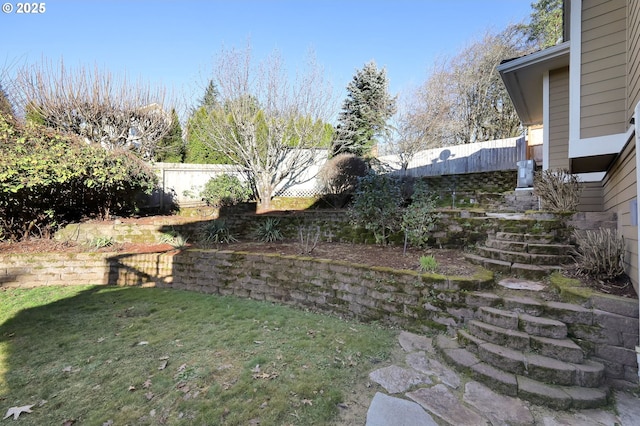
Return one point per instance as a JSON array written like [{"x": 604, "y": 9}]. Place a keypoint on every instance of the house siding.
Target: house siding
[
  {"x": 603, "y": 95},
  {"x": 559, "y": 119},
  {"x": 619, "y": 189},
  {"x": 633, "y": 56},
  {"x": 591, "y": 197}
]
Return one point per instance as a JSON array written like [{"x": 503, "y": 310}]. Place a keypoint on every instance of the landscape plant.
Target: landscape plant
[
  {"x": 218, "y": 232},
  {"x": 376, "y": 205},
  {"x": 419, "y": 217},
  {"x": 150, "y": 356},
  {"x": 47, "y": 179},
  {"x": 559, "y": 190},
  {"x": 339, "y": 178},
  {"x": 268, "y": 230},
  {"x": 308, "y": 237},
  {"x": 428, "y": 264},
  {"x": 600, "y": 253},
  {"x": 225, "y": 190}
]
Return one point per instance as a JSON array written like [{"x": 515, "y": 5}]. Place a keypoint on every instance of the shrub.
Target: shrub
[
  {"x": 339, "y": 177},
  {"x": 308, "y": 237},
  {"x": 600, "y": 253},
  {"x": 225, "y": 190},
  {"x": 218, "y": 232},
  {"x": 428, "y": 264},
  {"x": 101, "y": 242},
  {"x": 47, "y": 179},
  {"x": 419, "y": 217},
  {"x": 268, "y": 231},
  {"x": 559, "y": 190},
  {"x": 376, "y": 205}
]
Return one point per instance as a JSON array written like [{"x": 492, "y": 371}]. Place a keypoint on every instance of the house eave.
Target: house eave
[{"x": 523, "y": 79}]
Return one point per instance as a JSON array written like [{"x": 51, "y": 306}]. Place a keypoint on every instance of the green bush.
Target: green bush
[
  {"x": 225, "y": 190},
  {"x": 376, "y": 205},
  {"x": 47, "y": 179},
  {"x": 420, "y": 217}
]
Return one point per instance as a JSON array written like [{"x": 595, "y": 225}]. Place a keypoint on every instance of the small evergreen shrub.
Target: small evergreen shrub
[
  {"x": 225, "y": 190},
  {"x": 559, "y": 190},
  {"x": 420, "y": 217},
  {"x": 268, "y": 231},
  {"x": 376, "y": 205},
  {"x": 600, "y": 253}
]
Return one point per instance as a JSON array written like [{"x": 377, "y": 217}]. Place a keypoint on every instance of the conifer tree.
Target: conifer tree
[
  {"x": 365, "y": 112},
  {"x": 171, "y": 148}
]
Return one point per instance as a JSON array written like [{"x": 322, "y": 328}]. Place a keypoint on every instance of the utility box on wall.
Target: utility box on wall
[{"x": 525, "y": 173}]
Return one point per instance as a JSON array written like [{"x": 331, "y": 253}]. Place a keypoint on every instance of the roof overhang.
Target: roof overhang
[{"x": 523, "y": 79}]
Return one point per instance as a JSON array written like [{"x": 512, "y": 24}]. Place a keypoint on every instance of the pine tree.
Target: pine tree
[
  {"x": 170, "y": 148},
  {"x": 545, "y": 28},
  {"x": 365, "y": 112},
  {"x": 211, "y": 95}
]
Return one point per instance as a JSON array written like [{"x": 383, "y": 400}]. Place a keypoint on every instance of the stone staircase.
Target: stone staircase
[
  {"x": 519, "y": 346},
  {"x": 523, "y": 254},
  {"x": 534, "y": 245}
]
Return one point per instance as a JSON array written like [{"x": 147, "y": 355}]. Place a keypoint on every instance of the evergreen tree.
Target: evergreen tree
[
  {"x": 198, "y": 148},
  {"x": 211, "y": 95},
  {"x": 545, "y": 28},
  {"x": 365, "y": 112},
  {"x": 171, "y": 149}
]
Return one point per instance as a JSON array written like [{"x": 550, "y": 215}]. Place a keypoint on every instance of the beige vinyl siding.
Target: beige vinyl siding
[
  {"x": 619, "y": 189},
  {"x": 591, "y": 197},
  {"x": 559, "y": 119},
  {"x": 633, "y": 56},
  {"x": 603, "y": 97}
]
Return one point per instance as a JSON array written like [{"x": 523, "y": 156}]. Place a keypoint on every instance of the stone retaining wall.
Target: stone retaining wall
[{"x": 413, "y": 301}]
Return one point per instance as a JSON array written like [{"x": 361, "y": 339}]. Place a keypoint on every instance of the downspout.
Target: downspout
[{"x": 636, "y": 116}]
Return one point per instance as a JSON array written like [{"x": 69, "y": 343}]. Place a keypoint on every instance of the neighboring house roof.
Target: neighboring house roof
[{"x": 523, "y": 78}]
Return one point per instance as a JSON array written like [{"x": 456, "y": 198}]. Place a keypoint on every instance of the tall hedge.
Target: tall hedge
[{"x": 47, "y": 179}]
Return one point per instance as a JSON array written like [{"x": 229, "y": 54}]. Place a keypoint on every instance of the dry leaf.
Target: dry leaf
[
  {"x": 100, "y": 340},
  {"x": 144, "y": 342},
  {"x": 67, "y": 369},
  {"x": 149, "y": 396},
  {"x": 182, "y": 368},
  {"x": 147, "y": 384},
  {"x": 132, "y": 388},
  {"x": 108, "y": 423},
  {"x": 256, "y": 369},
  {"x": 163, "y": 358},
  {"x": 68, "y": 422},
  {"x": 307, "y": 402},
  {"x": 163, "y": 365},
  {"x": 16, "y": 411}
]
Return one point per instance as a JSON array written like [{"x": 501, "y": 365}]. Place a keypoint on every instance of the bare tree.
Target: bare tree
[
  {"x": 265, "y": 124},
  {"x": 464, "y": 100},
  {"x": 95, "y": 105}
]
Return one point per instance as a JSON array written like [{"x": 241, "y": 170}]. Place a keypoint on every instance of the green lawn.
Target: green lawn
[{"x": 91, "y": 355}]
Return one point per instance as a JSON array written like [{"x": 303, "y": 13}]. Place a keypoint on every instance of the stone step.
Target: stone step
[
  {"x": 530, "y": 324},
  {"x": 523, "y": 257},
  {"x": 567, "y": 313},
  {"x": 544, "y": 327},
  {"x": 517, "y": 269},
  {"x": 554, "y": 396},
  {"x": 529, "y": 247},
  {"x": 562, "y": 349},
  {"x": 543, "y": 238},
  {"x": 532, "y": 365}
]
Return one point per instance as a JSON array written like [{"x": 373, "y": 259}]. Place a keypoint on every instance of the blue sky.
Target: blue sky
[{"x": 174, "y": 43}]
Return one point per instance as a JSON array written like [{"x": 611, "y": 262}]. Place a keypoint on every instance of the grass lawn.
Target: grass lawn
[{"x": 146, "y": 356}]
